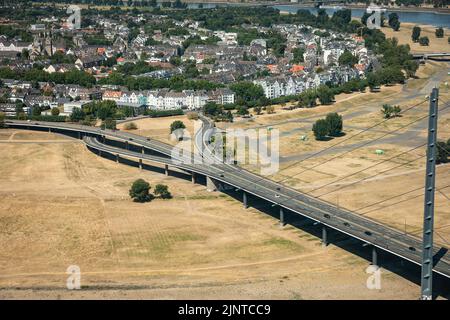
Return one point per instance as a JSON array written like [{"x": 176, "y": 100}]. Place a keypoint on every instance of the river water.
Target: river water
[{"x": 418, "y": 17}]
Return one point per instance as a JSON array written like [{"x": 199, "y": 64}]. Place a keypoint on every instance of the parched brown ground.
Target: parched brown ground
[
  {"x": 404, "y": 37},
  {"x": 159, "y": 128},
  {"x": 62, "y": 205}
]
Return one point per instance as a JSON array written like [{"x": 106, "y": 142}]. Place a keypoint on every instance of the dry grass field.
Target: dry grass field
[
  {"x": 404, "y": 37},
  {"x": 62, "y": 205},
  {"x": 159, "y": 128}
]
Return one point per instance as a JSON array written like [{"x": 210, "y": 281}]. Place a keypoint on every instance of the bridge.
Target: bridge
[
  {"x": 122, "y": 145},
  {"x": 442, "y": 56}
]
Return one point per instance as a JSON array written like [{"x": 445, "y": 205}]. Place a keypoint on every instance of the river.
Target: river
[{"x": 418, "y": 17}]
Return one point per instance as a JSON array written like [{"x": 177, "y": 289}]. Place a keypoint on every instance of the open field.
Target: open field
[
  {"x": 62, "y": 205},
  {"x": 159, "y": 128},
  {"x": 404, "y": 37}
]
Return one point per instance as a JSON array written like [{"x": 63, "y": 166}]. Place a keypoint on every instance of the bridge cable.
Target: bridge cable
[
  {"x": 344, "y": 140},
  {"x": 374, "y": 165},
  {"x": 374, "y": 175},
  {"x": 363, "y": 145},
  {"x": 404, "y": 200}
]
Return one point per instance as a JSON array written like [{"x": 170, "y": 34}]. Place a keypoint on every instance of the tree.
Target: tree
[
  {"x": 177, "y": 128},
  {"x": 77, "y": 115},
  {"x": 307, "y": 99},
  {"x": 325, "y": 95},
  {"x": 19, "y": 108},
  {"x": 163, "y": 191},
  {"x": 247, "y": 92},
  {"x": 36, "y": 110},
  {"x": 373, "y": 80},
  {"x": 347, "y": 59},
  {"x": 242, "y": 110},
  {"x": 109, "y": 124},
  {"x": 439, "y": 33},
  {"x": 257, "y": 110},
  {"x": 415, "y": 34},
  {"x": 410, "y": 67},
  {"x": 320, "y": 129},
  {"x": 178, "y": 124},
  {"x": 393, "y": 21},
  {"x": 335, "y": 124},
  {"x": 424, "y": 41},
  {"x": 212, "y": 109},
  {"x": 139, "y": 191},
  {"x": 55, "y": 111},
  {"x": 298, "y": 55}
]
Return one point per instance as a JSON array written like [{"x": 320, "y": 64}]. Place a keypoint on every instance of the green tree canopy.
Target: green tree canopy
[
  {"x": 177, "y": 124},
  {"x": 320, "y": 129},
  {"x": 347, "y": 59},
  {"x": 335, "y": 124},
  {"x": 139, "y": 191},
  {"x": 415, "y": 34},
  {"x": 163, "y": 191}
]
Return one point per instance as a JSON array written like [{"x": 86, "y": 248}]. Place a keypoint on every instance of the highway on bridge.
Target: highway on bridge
[{"x": 324, "y": 213}]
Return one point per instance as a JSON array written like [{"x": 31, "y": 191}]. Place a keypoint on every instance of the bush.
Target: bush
[
  {"x": 55, "y": 111},
  {"x": 439, "y": 33},
  {"x": 424, "y": 41},
  {"x": 389, "y": 111},
  {"x": 109, "y": 124},
  {"x": 163, "y": 191},
  {"x": 130, "y": 126},
  {"x": 139, "y": 191},
  {"x": 177, "y": 125},
  {"x": 335, "y": 124},
  {"x": 320, "y": 129}
]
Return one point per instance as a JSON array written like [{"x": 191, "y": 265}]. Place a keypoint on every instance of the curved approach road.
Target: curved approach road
[{"x": 329, "y": 216}]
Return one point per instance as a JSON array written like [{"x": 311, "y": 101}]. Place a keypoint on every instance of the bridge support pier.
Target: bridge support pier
[
  {"x": 79, "y": 135},
  {"x": 210, "y": 184},
  {"x": 49, "y": 130},
  {"x": 117, "y": 158},
  {"x": 126, "y": 145},
  {"x": 140, "y": 164},
  {"x": 166, "y": 170},
  {"x": 99, "y": 153},
  {"x": 193, "y": 177},
  {"x": 143, "y": 150},
  {"x": 324, "y": 236},
  {"x": 282, "y": 223},
  {"x": 374, "y": 256},
  {"x": 244, "y": 199}
]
